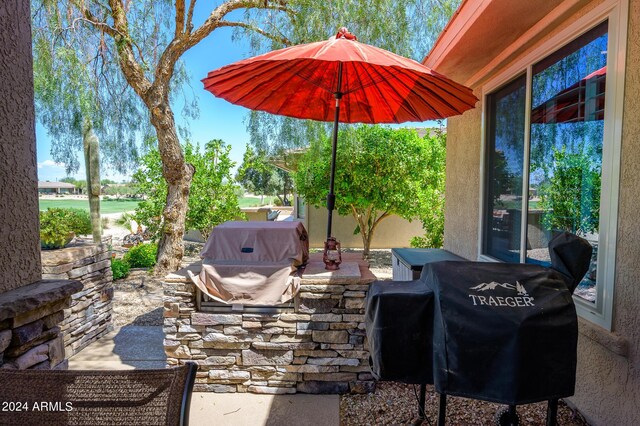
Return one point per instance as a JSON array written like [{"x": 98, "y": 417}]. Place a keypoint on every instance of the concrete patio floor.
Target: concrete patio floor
[{"x": 132, "y": 347}]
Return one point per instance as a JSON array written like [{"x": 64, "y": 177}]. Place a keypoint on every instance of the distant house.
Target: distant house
[{"x": 57, "y": 188}]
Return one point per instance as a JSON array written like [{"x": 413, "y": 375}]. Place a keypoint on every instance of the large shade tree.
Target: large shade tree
[{"x": 124, "y": 25}]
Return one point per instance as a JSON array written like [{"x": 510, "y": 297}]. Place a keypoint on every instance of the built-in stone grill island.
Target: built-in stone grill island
[{"x": 315, "y": 343}]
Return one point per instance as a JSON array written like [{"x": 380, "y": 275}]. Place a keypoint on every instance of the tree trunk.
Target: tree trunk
[
  {"x": 92, "y": 168},
  {"x": 366, "y": 243},
  {"x": 178, "y": 175},
  {"x": 367, "y": 222}
]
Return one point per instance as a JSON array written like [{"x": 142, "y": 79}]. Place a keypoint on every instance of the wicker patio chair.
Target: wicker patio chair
[{"x": 86, "y": 397}]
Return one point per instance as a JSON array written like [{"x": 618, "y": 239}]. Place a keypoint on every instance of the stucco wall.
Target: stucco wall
[
  {"x": 391, "y": 232},
  {"x": 19, "y": 236},
  {"x": 462, "y": 187},
  {"x": 608, "y": 379},
  {"x": 608, "y": 387}
]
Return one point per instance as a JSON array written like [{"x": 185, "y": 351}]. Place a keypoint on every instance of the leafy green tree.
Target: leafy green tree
[
  {"x": 260, "y": 177},
  {"x": 78, "y": 83},
  {"x": 128, "y": 190},
  {"x": 147, "y": 39},
  {"x": 432, "y": 198},
  {"x": 79, "y": 184},
  {"x": 213, "y": 199},
  {"x": 254, "y": 174},
  {"x": 379, "y": 172},
  {"x": 570, "y": 198}
]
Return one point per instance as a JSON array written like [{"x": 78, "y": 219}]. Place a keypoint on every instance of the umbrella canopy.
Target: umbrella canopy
[
  {"x": 343, "y": 80},
  {"x": 582, "y": 101},
  {"x": 376, "y": 86}
]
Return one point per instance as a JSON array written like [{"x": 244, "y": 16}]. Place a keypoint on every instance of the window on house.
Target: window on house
[
  {"x": 505, "y": 154},
  {"x": 565, "y": 160},
  {"x": 544, "y": 164}
]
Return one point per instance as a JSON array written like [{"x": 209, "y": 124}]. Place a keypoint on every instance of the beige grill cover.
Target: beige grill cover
[{"x": 253, "y": 263}]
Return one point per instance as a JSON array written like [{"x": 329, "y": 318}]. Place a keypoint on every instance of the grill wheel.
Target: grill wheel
[{"x": 507, "y": 417}]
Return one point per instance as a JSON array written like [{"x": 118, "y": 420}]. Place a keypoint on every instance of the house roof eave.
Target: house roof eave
[{"x": 484, "y": 34}]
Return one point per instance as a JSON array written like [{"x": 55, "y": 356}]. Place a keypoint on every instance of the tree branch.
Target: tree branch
[
  {"x": 379, "y": 219},
  {"x": 133, "y": 71},
  {"x": 92, "y": 19},
  {"x": 216, "y": 16},
  {"x": 180, "y": 44},
  {"x": 358, "y": 217},
  {"x": 260, "y": 31},
  {"x": 189, "y": 24},
  {"x": 179, "y": 18}
]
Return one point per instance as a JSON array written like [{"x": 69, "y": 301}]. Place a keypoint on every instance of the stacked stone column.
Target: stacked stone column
[
  {"x": 89, "y": 315},
  {"x": 30, "y": 332}
]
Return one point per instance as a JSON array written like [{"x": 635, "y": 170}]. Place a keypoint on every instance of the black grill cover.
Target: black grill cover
[
  {"x": 502, "y": 332},
  {"x": 499, "y": 332},
  {"x": 399, "y": 324},
  {"x": 570, "y": 255}
]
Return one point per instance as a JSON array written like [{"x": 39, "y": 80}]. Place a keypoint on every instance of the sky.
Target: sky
[{"x": 218, "y": 118}]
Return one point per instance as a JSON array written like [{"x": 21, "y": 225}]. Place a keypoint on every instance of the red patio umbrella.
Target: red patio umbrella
[
  {"x": 340, "y": 80},
  {"x": 582, "y": 101}
]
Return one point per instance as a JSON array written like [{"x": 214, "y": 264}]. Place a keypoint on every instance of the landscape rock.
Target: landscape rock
[
  {"x": 322, "y": 387},
  {"x": 266, "y": 357},
  {"x": 5, "y": 339},
  {"x": 271, "y": 390},
  {"x": 26, "y": 333},
  {"x": 32, "y": 357},
  {"x": 333, "y": 336},
  {"x": 201, "y": 318}
]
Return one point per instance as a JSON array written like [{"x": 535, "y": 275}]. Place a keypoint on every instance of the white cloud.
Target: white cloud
[{"x": 50, "y": 163}]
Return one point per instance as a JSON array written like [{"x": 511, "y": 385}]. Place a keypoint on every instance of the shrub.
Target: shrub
[
  {"x": 119, "y": 268},
  {"x": 80, "y": 221},
  {"x": 125, "y": 221},
  {"x": 142, "y": 255},
  {"x": 55, "y": 231},
  {"x": 58, "y": 226}
]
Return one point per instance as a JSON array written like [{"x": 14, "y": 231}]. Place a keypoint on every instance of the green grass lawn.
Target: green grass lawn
[
  {"x": 113, "y": 206},
  {"x": 253, "y": 201},
  {"x": 106, "y": 206}
]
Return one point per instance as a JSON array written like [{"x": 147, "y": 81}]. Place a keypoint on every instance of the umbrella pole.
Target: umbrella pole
[{"x": 331, "y": 198}]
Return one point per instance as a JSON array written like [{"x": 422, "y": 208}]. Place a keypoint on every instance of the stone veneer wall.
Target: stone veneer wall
[
  {"x": 89, "y": 315},
  {"x": 30, "y": 335},
  {"x": 318, "y": 348}
]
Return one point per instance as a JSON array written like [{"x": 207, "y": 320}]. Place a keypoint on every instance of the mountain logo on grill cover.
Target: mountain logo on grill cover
[
  {"x": 493, "y": 285},
  {"x": 520, "y": 299}
]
